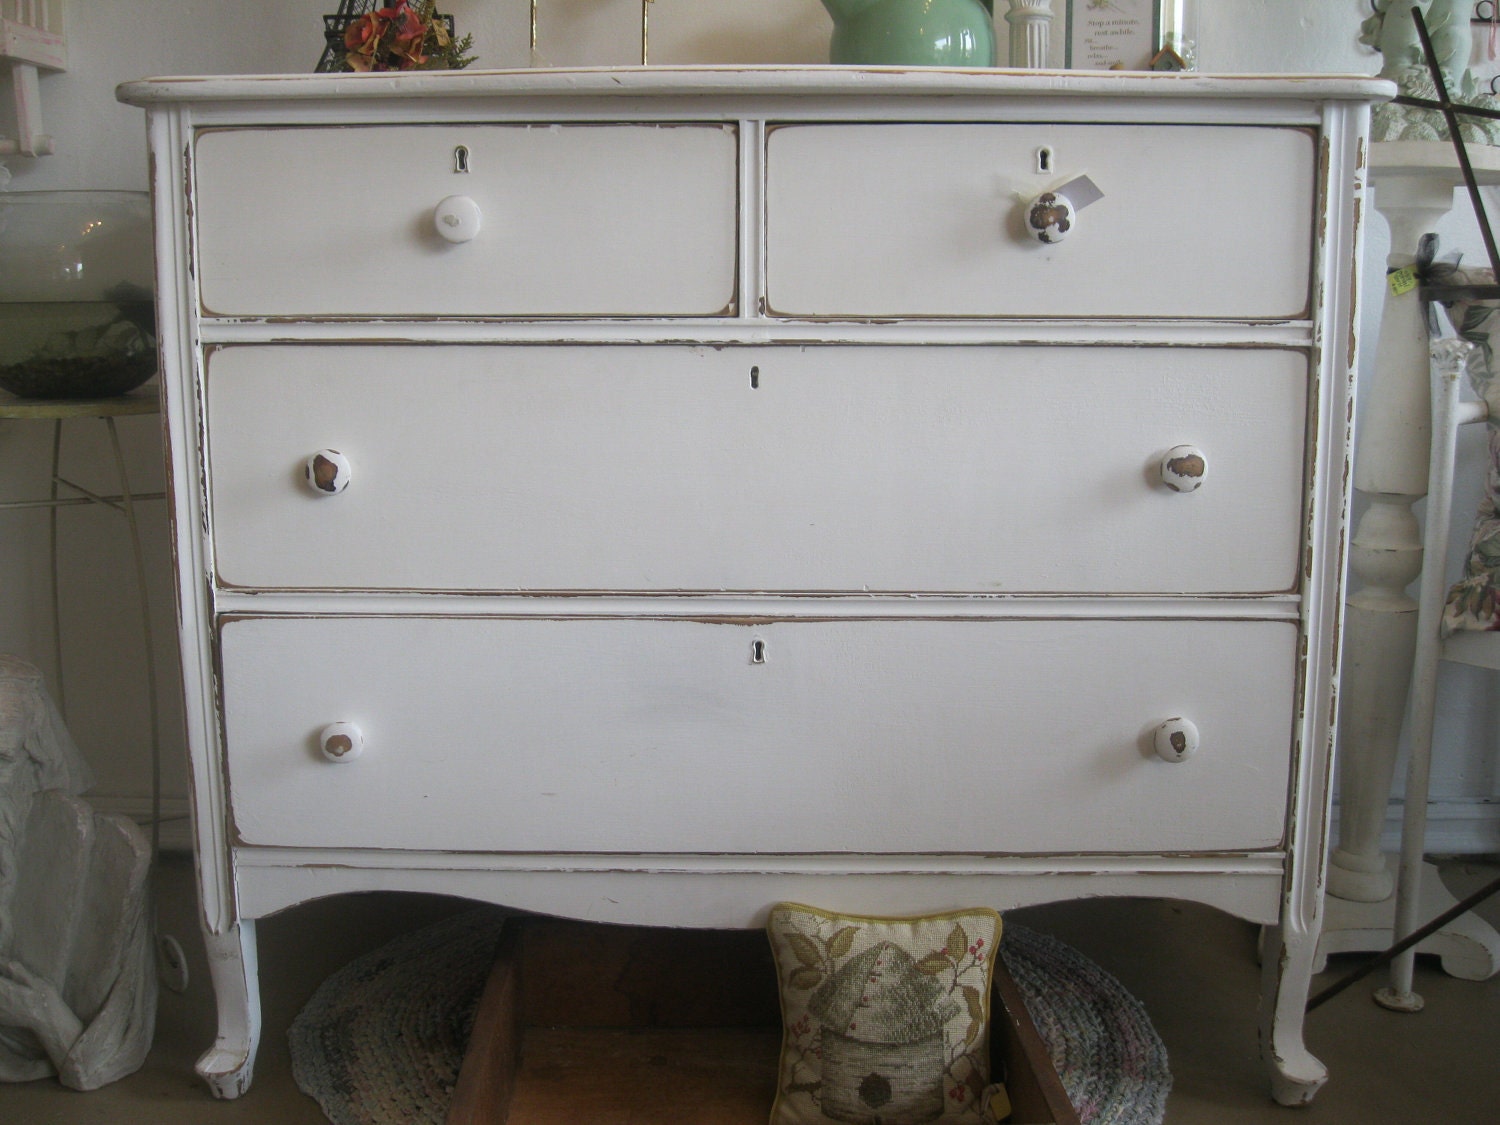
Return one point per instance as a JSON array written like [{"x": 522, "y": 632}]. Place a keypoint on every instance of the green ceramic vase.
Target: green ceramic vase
[{"x": 911, "y": 33}]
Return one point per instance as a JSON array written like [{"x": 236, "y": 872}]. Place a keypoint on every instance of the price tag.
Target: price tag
[
  {"x": 1402, "y": 281},
  {"x": 1081, "y": 191},
  {"x": 994, "y": 1104}
]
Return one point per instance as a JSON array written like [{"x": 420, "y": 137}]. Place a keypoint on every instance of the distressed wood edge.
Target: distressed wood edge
[
  {"x": 487, "y": 1076},
  {"x": 811, "y": 79},
  {"x": 1036, "y": 1092}
]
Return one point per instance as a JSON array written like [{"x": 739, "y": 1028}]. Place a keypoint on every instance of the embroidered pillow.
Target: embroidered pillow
[{"x": 885, "y": 1021}]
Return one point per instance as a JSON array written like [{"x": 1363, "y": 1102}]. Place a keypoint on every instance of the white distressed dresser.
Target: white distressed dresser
[{"x": 646, "y": 495}]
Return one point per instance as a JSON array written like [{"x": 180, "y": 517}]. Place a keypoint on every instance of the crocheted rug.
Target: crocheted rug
[
  {"x": 381, "y": 1041},
  {"x": 1110, "y": 1059}
]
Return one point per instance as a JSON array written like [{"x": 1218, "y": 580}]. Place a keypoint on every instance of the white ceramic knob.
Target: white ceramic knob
[
  {"x": 1051, "y": 217},
  {"x": 341, "y": 742},
  {"x": 457, "y": 218},
  {"x": 1183, "y": 468},
  {"x": 328, "y": 472},
  {"x": 1176, "y": 740}
]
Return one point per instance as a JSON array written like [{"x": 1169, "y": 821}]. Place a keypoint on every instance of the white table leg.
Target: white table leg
[
  {"x": 1286, "y": 970},
  {"x": 229, "y": 1064}
]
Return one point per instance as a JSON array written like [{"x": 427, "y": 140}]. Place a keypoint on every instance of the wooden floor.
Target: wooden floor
[
  {"x": 608, "y": 1076},
  {"x": 626, "y": 1025}
]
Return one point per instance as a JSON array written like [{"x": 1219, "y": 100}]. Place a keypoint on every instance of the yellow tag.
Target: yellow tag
[
  {"x": 1402, "y": 281},
  {"x": 999, "y": 1107}
]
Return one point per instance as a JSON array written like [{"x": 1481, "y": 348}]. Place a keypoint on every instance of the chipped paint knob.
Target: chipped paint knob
[
  {"x": 341, "y": 742},
  {"x": 1176, "y": 740},
  {"x": 457, "y": 218},
  {"x": 1183, "y": 468},
  {"x": 327, "y": 472},
  {"x": 1051, "y": 217}
]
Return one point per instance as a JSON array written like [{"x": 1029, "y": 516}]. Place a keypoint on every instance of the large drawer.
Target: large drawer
[
  {"x": 669, "y": 736},
  {"x": 927, "y": 220},
  {"x": 828, "y": 469},
  {"x": 575, "y": 220}
]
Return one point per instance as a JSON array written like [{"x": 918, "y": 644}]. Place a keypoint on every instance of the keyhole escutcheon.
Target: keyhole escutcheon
[
  {"x": 757, "y": 651},
  {"x": 461, "y": 159}
]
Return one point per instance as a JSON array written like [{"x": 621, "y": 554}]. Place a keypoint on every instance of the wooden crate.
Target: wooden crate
[{"x": 623, "y": 1025}]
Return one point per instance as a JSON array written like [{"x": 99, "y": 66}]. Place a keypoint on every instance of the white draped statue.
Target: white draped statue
[{"x": 77, "y": 968}]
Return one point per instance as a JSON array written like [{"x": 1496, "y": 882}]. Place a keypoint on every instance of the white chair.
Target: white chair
[{"x": 1450, "y": 361}]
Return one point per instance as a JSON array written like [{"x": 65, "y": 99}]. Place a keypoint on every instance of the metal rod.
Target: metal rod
[
  {"x": 1458, "y": 107},
  {"x": 112, "y": 502},
  {"x": 1452, "y": 292},
  {"x": 1449, "y": 361},
  {"x": 92, "y": 497},
  {"x": 145, "y": 604},
  {"x": 57, "y": 649}
]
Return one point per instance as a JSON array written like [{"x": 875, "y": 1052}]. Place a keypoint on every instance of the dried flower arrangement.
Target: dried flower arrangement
[{"x": 405, "y": 36}]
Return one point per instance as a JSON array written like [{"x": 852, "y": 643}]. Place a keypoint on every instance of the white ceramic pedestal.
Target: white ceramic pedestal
[{"x": 1466, "y": 946}]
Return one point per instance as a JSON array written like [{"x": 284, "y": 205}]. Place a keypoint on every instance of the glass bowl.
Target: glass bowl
[{"x": 77, "y": 298}]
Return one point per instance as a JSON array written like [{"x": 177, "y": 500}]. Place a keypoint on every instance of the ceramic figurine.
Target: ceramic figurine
[
  {"x": 911, "y": 32},
  {"x": 77, "y": 967},
  {"x": 1392, "y": 31}
]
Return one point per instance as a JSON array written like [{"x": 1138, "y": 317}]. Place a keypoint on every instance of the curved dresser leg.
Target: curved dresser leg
[
  {"x": 1286, "y": 968},
  {"x": 228, "y": 1065}
]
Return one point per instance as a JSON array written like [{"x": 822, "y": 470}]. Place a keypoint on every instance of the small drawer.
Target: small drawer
[
  {"x": 474, "y": 220},
  {"x": 660, "y": 736},
  {"x": 838, "y": 469},
  {"x": 929, "y": 221}
]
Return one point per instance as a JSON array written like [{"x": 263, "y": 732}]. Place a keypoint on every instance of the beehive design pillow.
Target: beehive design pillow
[{"x": 885, "y": 1021}]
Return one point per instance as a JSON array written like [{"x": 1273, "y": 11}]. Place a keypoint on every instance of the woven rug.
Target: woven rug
[
  {"x": 1110, "y": 1059},
  {"x": 381, "y": 1041}
]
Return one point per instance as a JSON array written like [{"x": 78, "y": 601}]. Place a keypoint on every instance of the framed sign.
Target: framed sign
[{"x": 1128, "y": 35}]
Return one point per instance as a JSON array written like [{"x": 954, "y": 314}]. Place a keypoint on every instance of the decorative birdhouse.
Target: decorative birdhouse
[{"x": 882, "y": 1036}]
